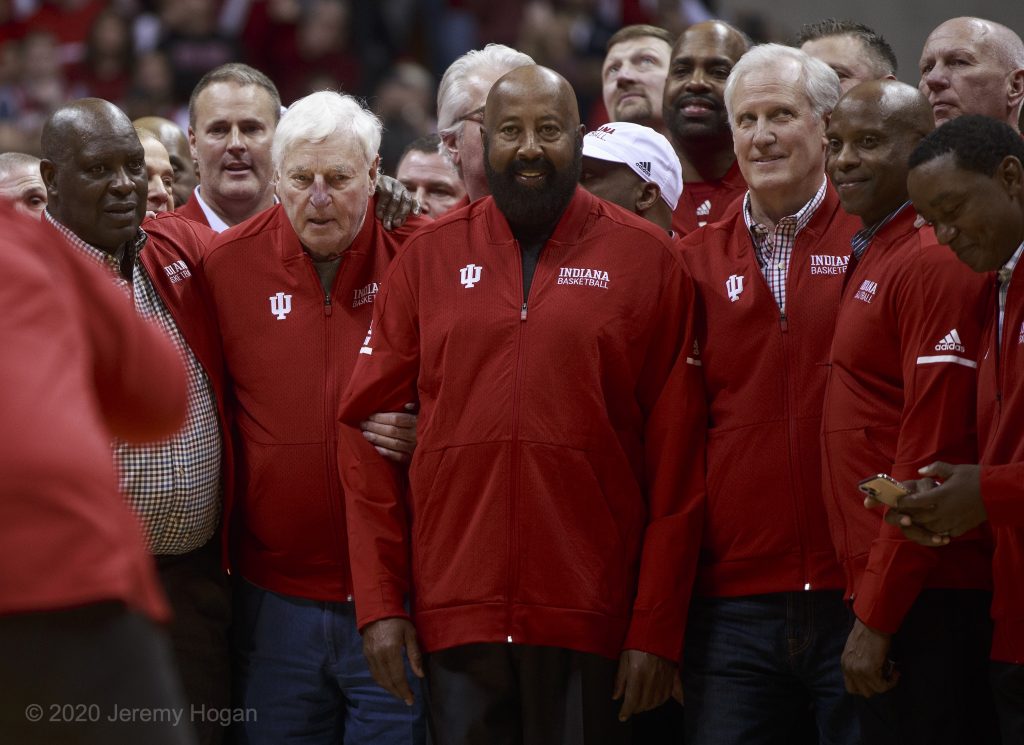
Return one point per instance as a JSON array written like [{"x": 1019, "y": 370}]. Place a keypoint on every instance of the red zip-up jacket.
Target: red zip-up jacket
[
  {"x": 1000, "y": 414},
  {"x": 705, "y": 202},
  {"x": 901, "y": 394},
  {"x": 765, "y": 528},
  {"x": 558, "y": 437},
  {"x": 77, "y": 366},
  {"x": 192, "y": 211},
  {"x": 289, "y": 348}
]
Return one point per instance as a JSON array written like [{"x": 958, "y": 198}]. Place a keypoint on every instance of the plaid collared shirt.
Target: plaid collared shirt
[
  {"x": 1003, "y": 276},
  {"x": 862, "y": 238},
  {"x": 174, "y": 484},
  {"x": 774, "y": 248}
]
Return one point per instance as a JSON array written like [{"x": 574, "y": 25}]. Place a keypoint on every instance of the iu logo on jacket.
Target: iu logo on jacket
[{"x": 280, "y": 305}]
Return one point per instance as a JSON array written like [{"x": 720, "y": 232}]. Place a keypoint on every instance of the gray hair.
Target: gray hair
[
  {"x": 820, "y": 82},
  {"x": 452, "y": 96},
  {"x": 10, "y": 162},
  {"x": 317, "y": 116}
]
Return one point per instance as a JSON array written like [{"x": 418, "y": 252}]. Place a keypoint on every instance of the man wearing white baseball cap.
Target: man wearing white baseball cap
[{"x": 634, "y": 167}]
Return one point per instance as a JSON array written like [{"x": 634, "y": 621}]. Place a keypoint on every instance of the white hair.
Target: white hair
[
  {"x": 319, "y": 115},
  {"x": 453, "y": 99},
  {"x": 821, "y": 84}
]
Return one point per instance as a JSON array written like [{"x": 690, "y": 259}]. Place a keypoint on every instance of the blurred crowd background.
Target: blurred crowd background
[{"x": 146, "y": 55}]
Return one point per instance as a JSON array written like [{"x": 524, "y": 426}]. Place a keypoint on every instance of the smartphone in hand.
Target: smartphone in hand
[{"x": 883, "y": 488}]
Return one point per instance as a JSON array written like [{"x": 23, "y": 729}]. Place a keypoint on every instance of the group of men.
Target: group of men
[{"x": 590, "y": 438}]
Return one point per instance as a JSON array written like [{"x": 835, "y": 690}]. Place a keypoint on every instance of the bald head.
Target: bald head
[
  {"x": 871, "y": 133},
  {"x": 541, "y": 85},
  {"x": 718, "y": 33},
  {"x": 533, "y": 143},
  {"x": 174, "y": 140},
  {"x": 95, "y": 172},
  {"x": 973, "y": 66}
]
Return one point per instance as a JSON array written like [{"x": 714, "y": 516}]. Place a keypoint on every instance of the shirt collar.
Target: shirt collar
[
  {"x": 1006, "y": 271},
  {"x": 96, "y": 254},
  {"x": 862, "y": 238},
  {"x": 218, "y": 225},
  {"x": 801, "y": 218}
]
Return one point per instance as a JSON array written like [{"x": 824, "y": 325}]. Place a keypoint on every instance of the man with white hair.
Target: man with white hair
[
  {"x": 460, "y": 110},
  {"x": 767, "y": 620},
  {"x": 634, "y": 167},
  {"x": 973, "y": 66},
  {"x": 293, "y": 289}
]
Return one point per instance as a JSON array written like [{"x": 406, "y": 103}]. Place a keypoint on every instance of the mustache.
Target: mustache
[
  {"x": 689, "y": 98},
  {"x": 537, "y": 165}
]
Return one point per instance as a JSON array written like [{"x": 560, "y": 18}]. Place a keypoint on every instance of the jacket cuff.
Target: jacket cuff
[
  {"x": 650, "y": 632},
  {"x": 387, "y": 602}
]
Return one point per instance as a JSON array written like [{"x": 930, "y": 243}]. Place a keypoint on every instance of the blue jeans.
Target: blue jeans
[
  {"x": 299, "y": 666},
  {"x": 757, "y": 669}
]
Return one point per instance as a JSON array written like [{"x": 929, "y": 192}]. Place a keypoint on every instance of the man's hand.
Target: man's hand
[
  {"x": 382, "y": 646},
  {"x": 949, "y": 509},
  {"x": 392, "y": 434},
  {"x": 394, "y": 202},
  {"x": 866, "y": 665},
  {"x": 643, "y": 681}
]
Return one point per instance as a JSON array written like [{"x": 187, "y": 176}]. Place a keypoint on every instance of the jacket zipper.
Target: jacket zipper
[
  {"x": 513, "y": 552},
  {"x": 329, "y": 413}
]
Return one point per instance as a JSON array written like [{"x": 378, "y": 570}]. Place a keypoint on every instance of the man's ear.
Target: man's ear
[
  {"x": 1011, "y": 174},
  {"x": 1015, "y": 87},
  {"x": 450, "y": 141},
  {"x": 49, "y": 173},
  {"x": 647, "y": 195},
  {"x": 374, "y": 173},
  {"x": 192, "y": 147}
]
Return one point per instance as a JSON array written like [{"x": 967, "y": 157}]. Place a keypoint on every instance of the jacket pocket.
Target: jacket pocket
[
  {"x": 578, "y": 545},
  {"x": 460, "y": 523}
]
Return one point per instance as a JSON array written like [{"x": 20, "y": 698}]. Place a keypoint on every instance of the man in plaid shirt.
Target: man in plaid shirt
[{"x": 95, "y": 174}]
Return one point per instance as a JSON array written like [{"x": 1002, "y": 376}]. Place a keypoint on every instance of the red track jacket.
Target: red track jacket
[
  {"x": 558, "y": 440},
  {"x": 77, "y": 367},
  {"x": 705, "y": 202},
  {"x": 900, "y": 395},
  {"x": 1000, "y": 413},
  {"x": 765, "y": 528},
  {"x": 289, "y": 350}
]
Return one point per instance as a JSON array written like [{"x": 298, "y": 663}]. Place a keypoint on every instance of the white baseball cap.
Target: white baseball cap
[{"x": 641, "y": 148}]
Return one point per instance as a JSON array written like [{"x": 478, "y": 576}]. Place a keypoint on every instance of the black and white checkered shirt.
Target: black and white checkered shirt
[
  {"x": 863, "y": 237},
  {"x": 1003, "y": 277},
  {"x": 174, "y": 484},
  {"x": 774, "y": 248}
]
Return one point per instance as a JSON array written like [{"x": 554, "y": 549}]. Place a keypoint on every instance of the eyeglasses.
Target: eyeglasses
[{"x": 476, "y": 115}]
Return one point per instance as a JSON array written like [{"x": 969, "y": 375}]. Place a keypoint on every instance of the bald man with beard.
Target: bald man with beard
[
  {"x": 900, "y": 395},
  {"x": 973, "y": 66},
  {"x": 561, "y": 428},
  {"x": 697, "y": 124}
]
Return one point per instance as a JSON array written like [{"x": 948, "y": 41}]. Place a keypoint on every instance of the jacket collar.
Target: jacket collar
[{"x": 568, "y": 229}]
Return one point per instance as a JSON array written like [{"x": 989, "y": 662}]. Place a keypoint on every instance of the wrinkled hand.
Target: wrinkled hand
[
  {"x": 643, "y": 682},
  {"x": 865, "y": 660},
  {"x": 394, "y": 202},
  {"x": 947, "y": 510},
  {"x": 392, "y": 434},
  {"x": 382, "y": 646}
]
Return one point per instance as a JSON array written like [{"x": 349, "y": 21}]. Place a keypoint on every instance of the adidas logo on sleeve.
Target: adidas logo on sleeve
[{"x": 951, "y": 343}]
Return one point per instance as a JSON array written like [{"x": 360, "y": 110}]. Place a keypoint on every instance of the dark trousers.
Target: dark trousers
[
  {"x": 516, "y": 694},
  {"x": 757, "y": 670},
  {"x": 95, "y": 675},
  {"x": 943, "y": 696},
  {"x": 197, "y": 588},
  {"x": 1008, "y": 689}
]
